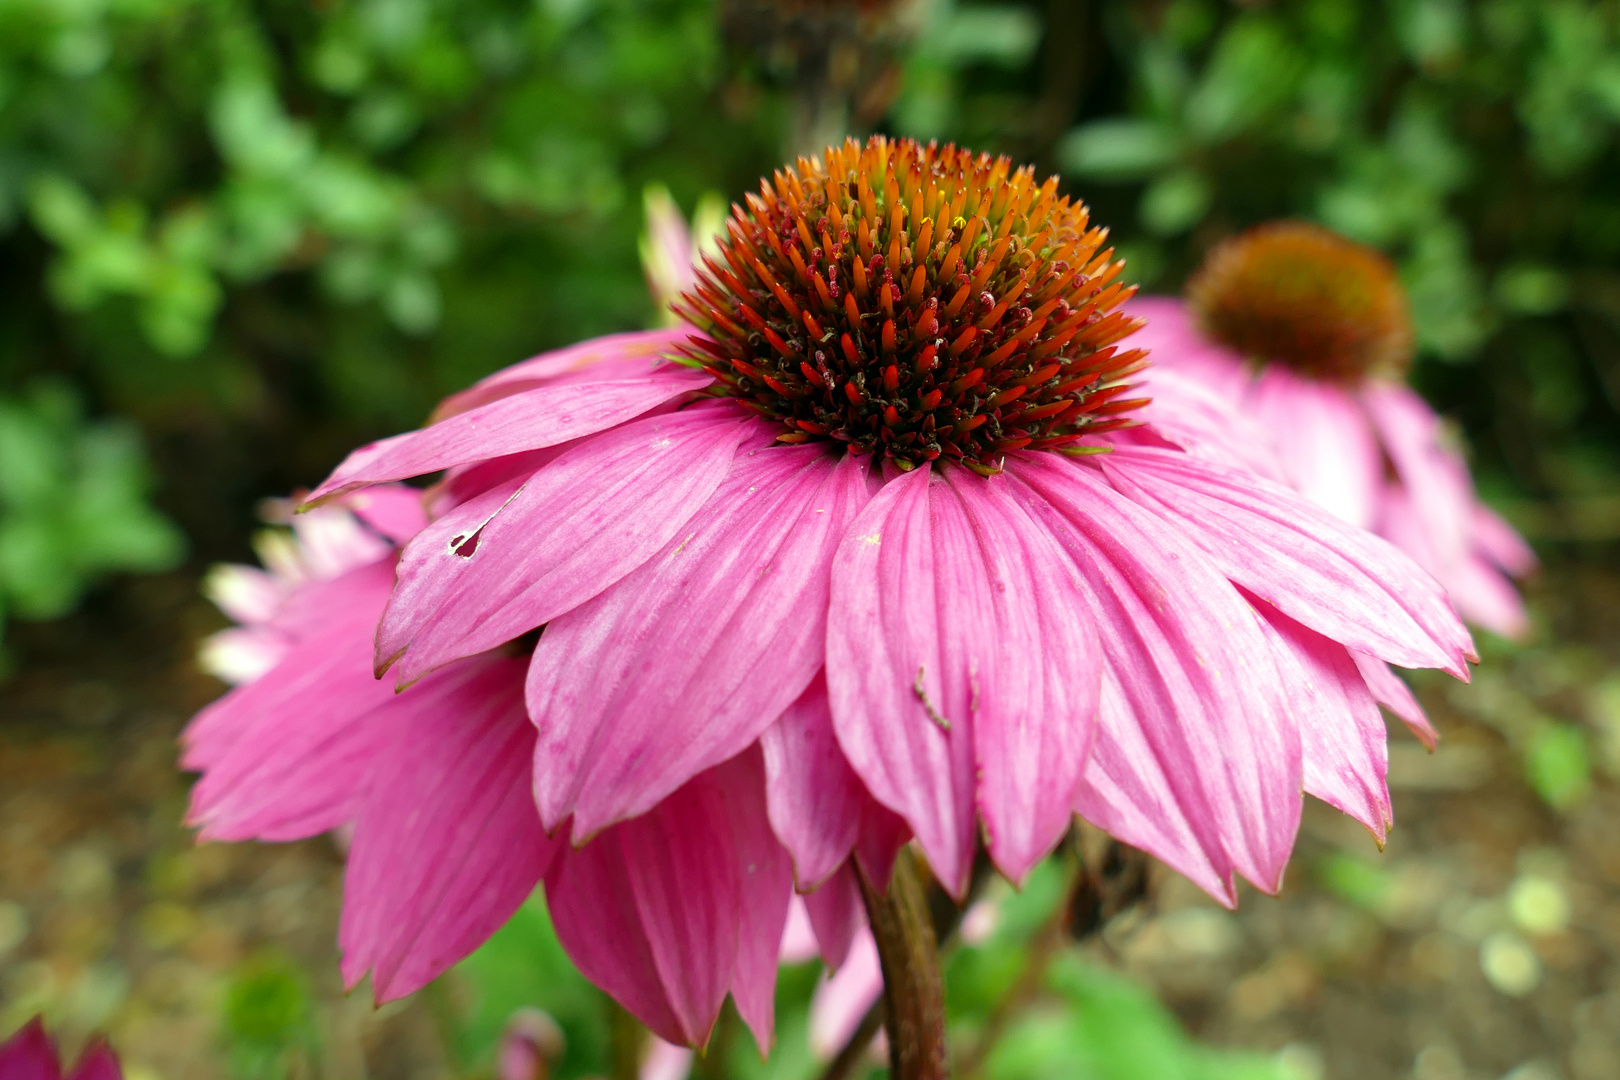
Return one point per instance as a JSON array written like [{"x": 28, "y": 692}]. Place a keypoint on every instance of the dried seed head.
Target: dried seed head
[
  {"x": 917, "y": 302},
  {"x": 1299, "y": 295}
]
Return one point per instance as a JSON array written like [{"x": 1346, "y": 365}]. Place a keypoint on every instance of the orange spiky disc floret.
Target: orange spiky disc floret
[
  {"x": 1300, "y": 295},
  {"x": 917, "y": 302}
]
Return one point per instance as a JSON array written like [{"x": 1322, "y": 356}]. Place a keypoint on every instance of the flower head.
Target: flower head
[
  {"x": 31, "y": 1054},
  {"x": 1296, "y": 294},
  {"x": 916, "y": 302},
  {"x": 678, "y": 656}
]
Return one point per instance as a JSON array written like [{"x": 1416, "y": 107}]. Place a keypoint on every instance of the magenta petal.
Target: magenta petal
[
  {"x": 686, "y": 661},
  {"x": 650, "y": 911},
  {"x": 1324, "y": 441},
  {"x": 1194, "y": 672},
  {"x": 1340, "y": 581},
  {"x": 447, "y": 844},
  {"x": 517, "y": 557},
  {"x": 765, "y": 881},
  {"x": 1341, "y": 730},
  {"x": 525, "y": 421},
  {"x": 282, "y": 756},
  {"x": 884, "y": 834},
  {"x": 30, "y": 1054},
  {"x": 1433, "y": 474},
  {"x": 1391, "y": 691},
  {"x": 815, "y": 798},
  {"x": 837, "y": 913},
  {"x": 900, "y": 687},
  {"x": 1033, "y": 669},
  {"x": 612, "y": 357}
]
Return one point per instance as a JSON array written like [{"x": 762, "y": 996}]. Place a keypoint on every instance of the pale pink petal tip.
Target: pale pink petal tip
[
  {"x": 665, "y": 1061},
  {"x": 841, "y": 1001}
]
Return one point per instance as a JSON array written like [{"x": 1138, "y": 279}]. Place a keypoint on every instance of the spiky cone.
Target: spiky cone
[{"x": 948, "y": 308}]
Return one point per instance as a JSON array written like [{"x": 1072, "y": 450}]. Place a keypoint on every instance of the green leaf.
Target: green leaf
[{"x": 1118, "y": 149}]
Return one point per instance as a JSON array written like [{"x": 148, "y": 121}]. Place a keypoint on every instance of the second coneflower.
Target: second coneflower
[
  {"x": 873, "y": 511},
  {"x": 1310, "y": 336}
]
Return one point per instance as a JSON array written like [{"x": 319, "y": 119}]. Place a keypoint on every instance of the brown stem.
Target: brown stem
[{"x": 913, "y": 988}]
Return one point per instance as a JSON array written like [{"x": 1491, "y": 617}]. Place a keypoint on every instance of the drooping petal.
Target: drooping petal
[
  {"x": 602, "y": 359},
  {"x": 898, "y": 681},
  {"x": 1342, "y": 732},
  {"x": 245, "y": 593},
  {"x": 517, "y": 557},
  {"x": 815, "y": 798},
  {"x": 884, "y": 834},
  {"x": 1127, "y": 792},
  {"x": 1434, "y": 476},
  {"x": 1481, "y": 592},
  {"x": 1037, "y": 690},
  {"x": 1189, "y": 414},
  {"x": 447, "y": 844},
  {"x": 1342, "y": 582},
  {"x": 1391, "y": 691},
  {"x": 765, "y": 883},
  {"x": 1194, "y": 674},
  {"x": 30, "y": 1054},
  {"x": 1499, "y": 542},
  {"x": 837, "y": 913},
  {"x": 686, "y": 661},
  {"x": 1324, "y": 441},
  {"x": 282, "y": 757},
  {"x": 650, "y": 911},
  {"x": 528, "y": 420}
]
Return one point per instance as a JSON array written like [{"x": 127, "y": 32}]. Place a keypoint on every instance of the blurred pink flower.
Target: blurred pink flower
[
  {"x": 30, "y": 1054},
  {"x": 1358, "y": 443}
]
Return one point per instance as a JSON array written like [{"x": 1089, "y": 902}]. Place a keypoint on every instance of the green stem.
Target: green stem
[{"x": 913, "y": 989}]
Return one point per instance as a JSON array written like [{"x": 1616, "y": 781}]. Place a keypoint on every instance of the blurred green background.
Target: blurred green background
[{"x": 239, "y": 237}]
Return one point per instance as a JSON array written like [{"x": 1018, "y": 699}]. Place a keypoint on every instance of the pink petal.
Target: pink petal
[
  {"x": 1391, "y": 691},
  {"x": 765, "y": 883},
  {"x": 650, "y": 911},
  {"x": 1127, "y": 792},
  {"x": 666, "y": 1061},
  {"x": 1175, "y": 344},
  {"x": 29, "y": 1054},
  {"x": 1499, "y": 542},
  {"x": 886, "y": 651},
  {"x": 883, "y": 834},
  {"x": 798, "y": 936},
  {"x": 245, "y": 593},
  {"x": 394, "y": 510},
  {"x": 815, "y": 798},
  {"x": 1486, "y": 597},
  {"x": 612, "y": 357},
  {"x": 1340, "y": 581},
  {"x": 281, "y": 756},
  {"x": 1191, "y": 415},
  {"x": 517, "y": 557},
  {"x": 528, "y": 420},
  {"x": 1434, "y": 475},
  {"x": 837, "y": 913},
  {"x": 1036, "y": 690},
  {"x": 685, "y": 662},
  {"x": 1324, "y": 441},
  {"x": 1341, "y": 730},
  {"x": 1199, "y": 715},
  {"x": 447, "y": 844},
  {"x": 842, "y": 1001}
]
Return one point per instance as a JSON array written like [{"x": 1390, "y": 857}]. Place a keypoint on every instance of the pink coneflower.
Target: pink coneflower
[
  {"x": 1308, "y": 334},
  {"x": 865, "y": 551},
  {"x": 31, "y": 1054}
]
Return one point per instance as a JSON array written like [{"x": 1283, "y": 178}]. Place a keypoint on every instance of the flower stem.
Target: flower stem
[{"x": 913, "y": 989}]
